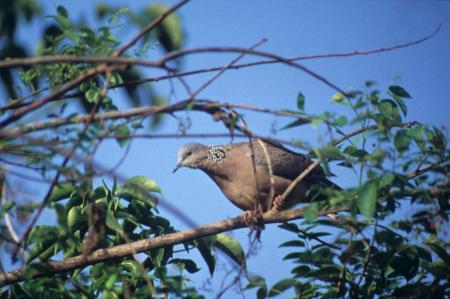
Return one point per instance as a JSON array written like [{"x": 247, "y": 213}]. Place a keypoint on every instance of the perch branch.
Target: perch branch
[{"x": 128, "y": 249}]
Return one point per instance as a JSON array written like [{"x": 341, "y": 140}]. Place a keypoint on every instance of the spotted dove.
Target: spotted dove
[{"x": 231, "y": 168}]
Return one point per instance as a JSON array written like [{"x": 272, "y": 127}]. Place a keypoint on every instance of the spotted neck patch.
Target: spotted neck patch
[{"x": 217, "y": 154}]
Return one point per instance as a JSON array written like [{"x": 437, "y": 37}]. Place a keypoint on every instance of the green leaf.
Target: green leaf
[
  {"x": 122, "y": 130},
  {"x": 62, "y": 11},
  {"x": 231, "y": 247},
  {"x": 367, "y": 199},
  {"x": 329, "y": 152},
  {"x": 301, "y": 271},
  {"x": 293, "y": 243},
  {"x": 205, "y": 251},
  {"x": 187, "y": 264},
  {"x": 282, "y": 286},
  {"x": 405, "y": 265},
  {"x": 296, "y": 123},
  {"x": 311, "y": 212},
  {"x": 131, "y": 266},
  {"x": 61, "y": 191},
  {"x": 337, "y": 98},
  {"x": 169, "y": 33},
  {"x": 399, "y": 91},
  {"x": 112, "y": 222},
  {"x": 386, "y": 108},
  {"x": 402, "y": 140},
  {"x": 340, "y": 121},
  {"x": 75, "y": 218},
  {"x": 401, "y": 104},
  {"x": 139, "y": 188},
  {"x": 255, "y": 281},
  {"x": 440, "y": 252},
  {"x": 6, "y": 206},
  {"x": 301, "y": 101},
  {"x": 92, "y": 95},
  {"x": 386, "y": 180},
  {"x": 145, "y": 183},
  {"x": 63, "y": 22}
]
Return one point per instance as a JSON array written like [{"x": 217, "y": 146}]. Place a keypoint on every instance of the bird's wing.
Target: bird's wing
[{"x": 285, "y": 163}]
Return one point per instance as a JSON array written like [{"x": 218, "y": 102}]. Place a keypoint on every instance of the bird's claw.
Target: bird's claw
[{"x": 278, "y": 202}]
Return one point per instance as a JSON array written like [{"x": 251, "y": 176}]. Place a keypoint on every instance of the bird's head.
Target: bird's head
[{"x": 191, "y": 155}]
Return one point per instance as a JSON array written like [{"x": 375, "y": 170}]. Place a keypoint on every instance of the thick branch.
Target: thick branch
[{"x": 124, "y": 250}]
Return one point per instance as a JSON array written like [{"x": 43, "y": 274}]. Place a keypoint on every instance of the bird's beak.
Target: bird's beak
[{"x": 177, "y": 167}]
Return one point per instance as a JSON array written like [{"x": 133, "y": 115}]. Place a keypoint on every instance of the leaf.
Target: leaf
[
  {"x": 169, "y": 33},
  {"x": 231, "y": 247},
  {"x": 61, "y": 191},
  {"x": 147, "y": 184},
  {"x": 122, "y": 130},
  {"x": 405, "y": 265},
  {"x": 386, "y": 108},
  {"x": 329, "y": 152},
  {"x": 5, "y": 207},
  {"x": 367, "y": 199},
  {"x": 337, "y": 98},
  {"x": 386, "y": 180},
  {"x": 402, "y": 140},
  {"x": 92, "y": 95},
  {"x": 131, "y": 266},
  {"x": 296, "y": 123},
  {"x": 301, "y": 270},
  {"x": 340, "y": 121},
  {"x": 75, "y": 218},
  {"x": 282, "y": 286},
  {"x": 61, "y": 10},
  {"x": 112, "y": 222},
  {"x": 293, "y": 243},
  {"x": 311, "y": 212},
  {"x": 187, "y": 264},
  {"x": 399, "y": 91},
  {"x": 205, "y": 251},
  {"x": 289, "y": 226},
  {"x": 440, "y": 252},
  {"x": 139, "y": 188},
  {"x": 401, "y": 104},
  {"x": 301, "y": 101}
]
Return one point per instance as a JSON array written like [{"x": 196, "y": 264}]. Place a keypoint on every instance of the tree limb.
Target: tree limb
[{"x": 127, "y": 249}]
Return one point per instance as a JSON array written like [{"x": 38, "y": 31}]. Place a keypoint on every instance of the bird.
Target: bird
[{"x": 242, "y": 172}]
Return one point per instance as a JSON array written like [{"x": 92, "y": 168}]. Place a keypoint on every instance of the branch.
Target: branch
[
  {"x": 54, "y": 95},
  {"x": 130, "y": 61},
  {"x": 292, "y": 59},
  {"x": 149, "y": 27},
  {"x": 124, "y": 250},
  {"x": 199, "y": 105},
  {"x": 176, "y": 54}
]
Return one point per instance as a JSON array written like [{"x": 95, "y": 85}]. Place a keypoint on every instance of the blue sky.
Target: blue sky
[{"x": 293, "y": 28}]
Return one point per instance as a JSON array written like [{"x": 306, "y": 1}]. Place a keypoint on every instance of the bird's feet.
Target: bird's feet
[
  {"x": 253, "y": 219},
  {"x": 278, "y": 203},
  {"x": 250, "y": 218}
]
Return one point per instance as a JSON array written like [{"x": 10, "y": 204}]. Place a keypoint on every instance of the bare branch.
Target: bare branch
[{"x": 177, "y": 54}]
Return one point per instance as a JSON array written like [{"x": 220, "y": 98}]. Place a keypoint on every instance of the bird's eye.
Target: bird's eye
[{"x": 188, "y": 153}]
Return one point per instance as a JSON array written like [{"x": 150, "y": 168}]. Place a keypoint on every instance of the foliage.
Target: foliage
[{"x": 371, "y": 249}]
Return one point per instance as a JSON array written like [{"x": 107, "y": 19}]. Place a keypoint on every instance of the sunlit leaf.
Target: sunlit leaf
[
  {"x": 231, "y": 247},
  {"x": 281, "y": 286}
]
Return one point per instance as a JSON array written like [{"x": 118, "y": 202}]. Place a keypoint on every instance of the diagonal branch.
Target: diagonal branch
[{"x": 127, "y": 249}]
